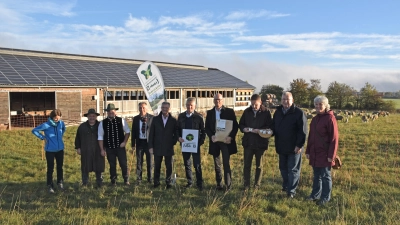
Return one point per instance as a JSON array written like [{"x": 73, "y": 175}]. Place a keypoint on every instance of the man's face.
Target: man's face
[
  {"x": 92, "y": 118},
  {"x": 256, "y": 104},
  {"x": 142, "y": 109},
  {"x": 218, "y": 101},
  {"x": 165, "y": 109},
  {"x": 190, "y": 106},
  {"x": 287, "y": 101},
  {"x": 112, "y": 113}
]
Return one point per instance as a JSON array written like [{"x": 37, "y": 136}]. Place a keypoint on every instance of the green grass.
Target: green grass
[
  {"x": 365, "y": 191},
  {"x": 396, "y": 101}
]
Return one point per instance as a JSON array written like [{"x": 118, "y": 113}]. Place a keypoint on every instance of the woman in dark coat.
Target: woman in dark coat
[
  {"x": 87, "y": 145},
  {"x": 321, "y": 150}
]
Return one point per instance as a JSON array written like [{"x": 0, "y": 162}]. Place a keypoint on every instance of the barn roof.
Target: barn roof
[{"x": 21, "y": 68}]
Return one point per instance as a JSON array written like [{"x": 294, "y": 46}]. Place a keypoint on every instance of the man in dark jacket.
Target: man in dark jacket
[
  {"x": 190, "y": 119},
  {"x": 87, "y": 145},
  {"x": 228, "y": 147},
  {"x": 162, "y": 138},
  {"x": 140, "y": 132},
  {"x": 251, "y": 122},
  {"x": 290, "y": 128},
  {"x": 113, "y": 134}
]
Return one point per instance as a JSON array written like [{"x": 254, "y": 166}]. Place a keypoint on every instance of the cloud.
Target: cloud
[
  {"x": 252, "y": 14},
  {"x": 188, "y": 21},
  {"x": 42, "y": 7},
  {"x": 138, "y": 24}
]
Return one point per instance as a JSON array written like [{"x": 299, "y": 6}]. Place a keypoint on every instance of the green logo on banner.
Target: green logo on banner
[{"x": 147, "y": 73}]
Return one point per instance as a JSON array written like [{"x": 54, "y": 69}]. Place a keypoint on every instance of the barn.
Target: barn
[{"x": 32, "y": 83}]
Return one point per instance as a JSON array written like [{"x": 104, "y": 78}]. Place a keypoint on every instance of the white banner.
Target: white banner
[
  {"x": 153, "y": 85},
  {"x": 191, "y": 138}
]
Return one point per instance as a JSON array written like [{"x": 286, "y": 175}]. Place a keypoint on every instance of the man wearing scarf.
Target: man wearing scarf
[{"x": 113, "y": 135}]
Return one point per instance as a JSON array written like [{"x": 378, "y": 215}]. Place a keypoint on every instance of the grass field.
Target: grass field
[
  {"x": 365, "y": 191},
  {"x": 396, "y": 101}
]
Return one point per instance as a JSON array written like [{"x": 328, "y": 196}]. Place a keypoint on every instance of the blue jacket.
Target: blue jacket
[{"x": 53, "y": 134}]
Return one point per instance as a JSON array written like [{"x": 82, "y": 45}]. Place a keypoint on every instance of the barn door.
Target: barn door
[{"x": 70, "y": 104}]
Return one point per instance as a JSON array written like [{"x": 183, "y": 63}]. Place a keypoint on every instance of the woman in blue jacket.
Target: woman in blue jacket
[{"x": 53, "y": 131}]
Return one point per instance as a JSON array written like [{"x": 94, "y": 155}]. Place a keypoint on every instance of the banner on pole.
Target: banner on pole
[{"x": 153, "y": 85}]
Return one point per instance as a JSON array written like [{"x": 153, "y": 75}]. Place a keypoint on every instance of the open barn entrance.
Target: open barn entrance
[{"x": 29, "y": 109}]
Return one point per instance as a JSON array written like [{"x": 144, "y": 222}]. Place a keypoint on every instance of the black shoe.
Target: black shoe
[
  {"x": 169, "y": 186},
  {"x": 284, "y": 190},
  {"x": 200, "y": 187},
  {"x": 312, "y": 199},
  {"x": 99, "y": 184},
  {"x": 219, "y": 188},
  {"x": 228, "y": 188},
  {"x": 138, "y": 182},
  {"x": 188, "y": 185},
  {"x": 256, "y": 187},
  {"x": 60, "y": 186},
  {"x": 84, "y": 184},
  {"x": 156, "y": 185},
  {"x": 322, "y": 202},
  {"x": 50, "y": 189},
  {"x": 113, "y": 183},
  {"x": 290, "y": 196},
  {"x": 246, "y": 188}
]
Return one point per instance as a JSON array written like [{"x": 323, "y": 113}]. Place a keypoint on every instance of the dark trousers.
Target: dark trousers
[
  {"x": 85, "y": 178},
  {"x": 112, "y": 155},
  {"x": 290, "y": 166},
  {"x": 322, "y": 183},
  {"x": 225, "y": 162},
  {"x": 141, "y": 150},
  {"x": 59, "y": 156},
  {"x": 157, "y": 168},
  {"x": 249, "y": 152},
  {"x": 197, "y": 167}
]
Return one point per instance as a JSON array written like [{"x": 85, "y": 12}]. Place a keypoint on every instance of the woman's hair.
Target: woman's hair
[
  {"x": 55, "y": 113},
  {"x": 322, "y": 99}
]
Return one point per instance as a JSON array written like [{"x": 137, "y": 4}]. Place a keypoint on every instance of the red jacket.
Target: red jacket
[{"x": 323, "y": 140}]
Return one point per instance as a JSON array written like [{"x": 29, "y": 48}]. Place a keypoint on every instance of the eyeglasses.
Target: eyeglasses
[
  {"x": 286, "y": 99},
  {"x": 218, "y": 99}
]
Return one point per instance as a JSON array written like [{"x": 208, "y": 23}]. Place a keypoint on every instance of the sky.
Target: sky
[{"x": 261, "y": 42}]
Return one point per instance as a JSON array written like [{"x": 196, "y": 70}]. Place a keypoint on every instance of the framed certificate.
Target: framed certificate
[{"x": 191, "y": 138}]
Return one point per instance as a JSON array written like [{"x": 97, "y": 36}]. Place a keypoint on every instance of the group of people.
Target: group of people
[{"x": 154, "y": 137}]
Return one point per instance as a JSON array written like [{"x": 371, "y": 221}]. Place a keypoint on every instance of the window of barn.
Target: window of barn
[
  {"x": 188, "y": 94},
  {"x": 203, "y": 94},
  {"x": 141, "y": 95},
  {"x": 133, "y": 95},
  {"x": 118, "y": 95},
  {"x": 110, "y": 95},
  {"x": 125, "y": 95}
]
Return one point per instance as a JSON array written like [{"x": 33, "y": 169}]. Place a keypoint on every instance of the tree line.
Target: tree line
[{"x": 340, "y": 95}]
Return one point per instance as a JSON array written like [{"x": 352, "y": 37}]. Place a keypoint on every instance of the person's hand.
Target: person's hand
[
  {"x": 122, "y": 145},
  {"x": 329, "y": 159},
  {"x": 181, "y": 140},
  {"x": 103, "y": 153},
  {"x": 297, "y": 150},
  {"x": 246, "y": 130},
  {"x": 78, "y": 150},
  {"x": 228, "y": 140},
  {"x": 132, "y": 150},
  {"x": 213, "y": 138},
  {"x": 308, "y": 156},
  {"x": 151, "y": 150},
  {"x": 255, "y": 131}
]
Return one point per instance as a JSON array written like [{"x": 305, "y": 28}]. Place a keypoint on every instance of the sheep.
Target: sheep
[
  {"x": 339, "y": 118},
  {"x": 364, "y": 119}
]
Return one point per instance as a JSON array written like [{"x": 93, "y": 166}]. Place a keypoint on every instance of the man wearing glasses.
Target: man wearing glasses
[
  {"x": 226, "y": 148},
  {"x": 290, "y": 128}
]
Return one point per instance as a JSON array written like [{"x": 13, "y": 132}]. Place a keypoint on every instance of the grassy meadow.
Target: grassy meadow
[
  {"x": 365, "y": 191},
  {"x": 396, "y": 102}
]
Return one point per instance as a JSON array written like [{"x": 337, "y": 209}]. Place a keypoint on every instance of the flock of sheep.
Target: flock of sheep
[{"x": 345, "y": 115}]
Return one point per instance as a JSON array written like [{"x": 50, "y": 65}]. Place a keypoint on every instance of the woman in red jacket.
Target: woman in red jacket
[{"x": 321, "y": 150}]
